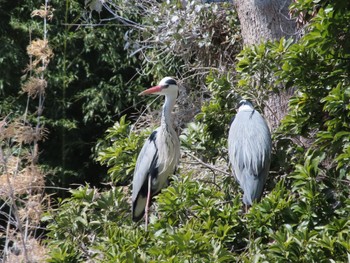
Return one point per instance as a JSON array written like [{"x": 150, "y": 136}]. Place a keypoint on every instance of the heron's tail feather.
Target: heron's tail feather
[
  {"x": 253, "y": 187},
  {"x": 138, "y": 208}
]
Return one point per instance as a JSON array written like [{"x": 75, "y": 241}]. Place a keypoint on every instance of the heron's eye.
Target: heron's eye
[{"x": 165, "y": 86}]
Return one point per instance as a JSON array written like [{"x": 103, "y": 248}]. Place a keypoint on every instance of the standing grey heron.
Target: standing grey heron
[
  {"x": 249, "y": 149},
  {"x": 159, "y": 155}
]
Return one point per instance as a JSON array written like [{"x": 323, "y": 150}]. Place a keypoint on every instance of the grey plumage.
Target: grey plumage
[
  {"x": 249, "y": 147},
  {"x": 159, "y": 155}
]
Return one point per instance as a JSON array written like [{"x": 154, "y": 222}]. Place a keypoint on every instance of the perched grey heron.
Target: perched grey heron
[
  {"x": 159, "y": 155},
  {"x": 249, "y": 149}
]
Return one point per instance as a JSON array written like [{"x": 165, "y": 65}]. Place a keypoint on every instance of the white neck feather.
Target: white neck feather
[
  {"x": 167, "y": 109},
  {"x": 245, "y": 108}
]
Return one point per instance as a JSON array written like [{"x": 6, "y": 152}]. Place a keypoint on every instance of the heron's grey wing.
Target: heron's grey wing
[
  {"x": 249, "y": 149},
  {"x": 263, "y": 145},
  {"x": 249, "y": 142},
  {"x": 235, "y": 144},
  {"x": 146, "y": 161},
  {"x": 264, "y": 148}
]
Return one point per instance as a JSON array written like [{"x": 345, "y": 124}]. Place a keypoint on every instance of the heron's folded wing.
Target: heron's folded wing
[{"x": 147, "y": 157}]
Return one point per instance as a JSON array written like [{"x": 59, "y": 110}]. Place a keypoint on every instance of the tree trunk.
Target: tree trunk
[{"x": 263, "y": 20}]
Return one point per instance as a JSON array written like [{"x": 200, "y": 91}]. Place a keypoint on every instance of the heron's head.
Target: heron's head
[
  {"x": 167, "y": 86},
  {"x": 245, "y": 105}
]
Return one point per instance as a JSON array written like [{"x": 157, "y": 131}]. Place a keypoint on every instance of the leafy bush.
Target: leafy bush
[{"x": 121, "y": 156}]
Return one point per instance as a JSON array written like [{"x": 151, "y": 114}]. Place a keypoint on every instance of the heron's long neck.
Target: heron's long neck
[{"x": 167, "y": 109}]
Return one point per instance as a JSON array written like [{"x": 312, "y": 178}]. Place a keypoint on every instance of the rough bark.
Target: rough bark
[{"x": 263, "y": 20}]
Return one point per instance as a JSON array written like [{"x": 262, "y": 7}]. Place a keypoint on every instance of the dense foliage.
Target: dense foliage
[
  {"x": 91, "y": 79},
  {"x": 304, "y": 213}
]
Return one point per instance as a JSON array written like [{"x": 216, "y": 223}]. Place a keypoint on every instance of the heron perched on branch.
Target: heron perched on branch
[
  {"x": 249, "y": 148},
  {"x": 159, "y": 155}
]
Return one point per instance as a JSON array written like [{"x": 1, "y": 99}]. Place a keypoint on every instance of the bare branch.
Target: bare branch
[{"x": 209, "y": 166}]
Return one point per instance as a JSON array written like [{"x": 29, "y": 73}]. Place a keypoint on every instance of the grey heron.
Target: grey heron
[
  {"x": 249, "y": 148},
  {"x": 159, "y": 155}
]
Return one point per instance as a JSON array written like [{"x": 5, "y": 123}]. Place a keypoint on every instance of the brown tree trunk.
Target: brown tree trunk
[{"x": 263, "y": 20}]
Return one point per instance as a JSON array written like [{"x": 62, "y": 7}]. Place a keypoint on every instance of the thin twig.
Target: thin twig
[
  {"x": 211, "y": 167},
  {"x": 143, "y": 113}
]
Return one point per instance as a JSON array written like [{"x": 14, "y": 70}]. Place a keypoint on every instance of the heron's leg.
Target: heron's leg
[
  {"x": 246, "y": 208},
  {"x": 148, "y": 201}
]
